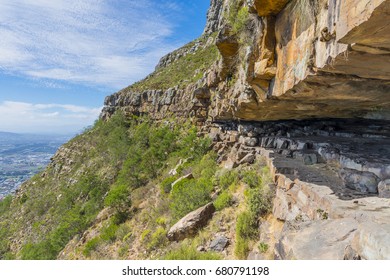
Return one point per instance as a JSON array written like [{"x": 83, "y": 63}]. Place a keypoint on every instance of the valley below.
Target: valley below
[{"x": 22, "y": 156}]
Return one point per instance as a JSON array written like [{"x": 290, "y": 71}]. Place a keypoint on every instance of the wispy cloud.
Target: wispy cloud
[
  {"x": 95, "y": 42},
  {"x": 45, "y": 118}
]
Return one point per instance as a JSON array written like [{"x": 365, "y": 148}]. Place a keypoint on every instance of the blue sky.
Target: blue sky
[{"x": 60, "y": 58}]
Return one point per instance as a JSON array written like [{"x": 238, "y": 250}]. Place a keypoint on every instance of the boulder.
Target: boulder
[
  {"x": 249, "y": 158},
  {"x": 214, "y": 136},
  {"x": 202, "y": 93},
  {"x": 384, "y": 188},
  {"x": 308, "y": 158},
  {"x": 241, "y": 153},
  {"x": 362, "y": 181},
  {"x": 230, "y": 164},
  {"x": 372, "y": 241},
  {"x": 219, "y": 244},
  {"x": 191, "y": 223},
  {"x": 251, "y": 141}
]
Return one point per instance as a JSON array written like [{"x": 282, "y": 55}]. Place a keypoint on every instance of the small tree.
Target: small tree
[{"x": 119, "y": 197}]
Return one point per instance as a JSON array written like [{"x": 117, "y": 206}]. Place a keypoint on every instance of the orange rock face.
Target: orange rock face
[{"x": 269, "y": 7}]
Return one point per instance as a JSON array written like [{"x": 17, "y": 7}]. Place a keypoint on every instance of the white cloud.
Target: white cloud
[
  {"x": 45, "y": 118},
  {"x": 95, "y": 42}
]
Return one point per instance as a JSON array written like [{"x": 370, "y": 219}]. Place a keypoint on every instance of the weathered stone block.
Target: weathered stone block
[
  {"x": 384, "y": 188},
  {"x": 365, "y": 182},
  {"x": 251, "y": 141},
  {"x": 219, "y": 244},
  {"x": 249, "y": 158},
  {"x": 191, "y": 223}
]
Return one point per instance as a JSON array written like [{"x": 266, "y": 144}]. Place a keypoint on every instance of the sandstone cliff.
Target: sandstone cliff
[{"x": 293, "y": 60}]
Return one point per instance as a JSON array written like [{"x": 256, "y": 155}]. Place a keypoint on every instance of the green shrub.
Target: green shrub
[
  {"x": 39, "y": 251},
  {"x": 151, "y": 145},
  {"x": 4, "y": 241},
  {"x": 206, "y": 167},
  {"x": 120, "y": 217},
  {"x": 241, "y": 248},
  {"x": 225, "y": 199},
  {"x": 246, "y": 229},
  {"x": 228, "y": 178},
  {"x": 111, "y": 138},
  {"x": 162, "y": 221},
  {"x": 5, "y": 204},
  {"x": 189, "y": 195},
  {"x": 241, "y": 20},
  {"x": 246, "y": 226},
  {"x": 145, "y": 234},
  {"x": 190, "y": 145},
  {"x": 8, "y": 256},
  {"x": 91, "y": 246},
  {"x": 263, "y": 247},
  {"x": 108, "y": 233},
  {"x": 323, "y": 214},
  {"x": 24, "y": 198},
  {"x": 259, "y": 201},
  {"x": 189, "y": 252},
  {"x": 166, "y": 184},
  {"x": 266, "y": 174},
  {"x": 123, "y": 250},
  {"x": 72, "y": 223},
  {"x": 252, "y": 178},
  {"x": 237, "y": 17},
  {"x": 75, "y": 212},
  {"x": 123, "y": 232},
  {"x": 158, "y": 239},
  {"x": 119, "y": 198}
]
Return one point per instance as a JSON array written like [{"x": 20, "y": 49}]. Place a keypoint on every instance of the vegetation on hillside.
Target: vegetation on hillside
[
  {"x": 122, "y": 165},
  {"x": 237, "y": 16},
  {"x": 258, "y": 203},
  {"x": 188, "y": 69},
  {"x": 107, "y": 163}
]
